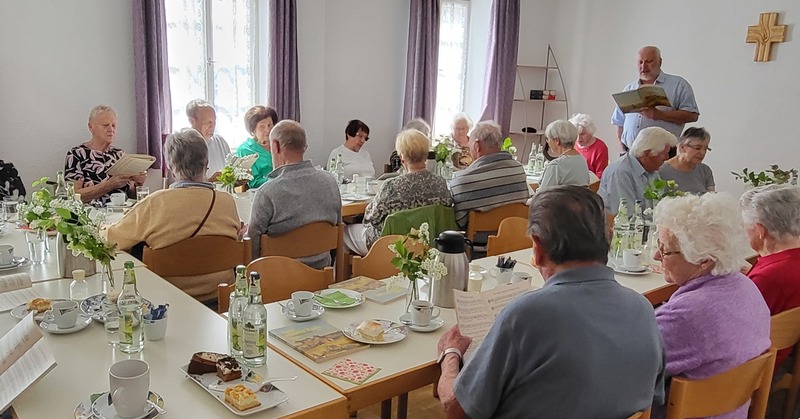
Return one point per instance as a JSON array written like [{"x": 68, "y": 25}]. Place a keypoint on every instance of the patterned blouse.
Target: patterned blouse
[
  {"x": 412, "y": 190},
  {"x": 10, "y": 182},
  {"x": 91, "y": 167}
]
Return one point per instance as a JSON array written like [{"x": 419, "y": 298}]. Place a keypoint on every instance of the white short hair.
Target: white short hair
[
  {"x": 583, "y": 123},
  {"x": 420, "y": 125},
  {"x": 654, "y": 140},
  {"x": 462, "y": 117},
  {"x": 488, "y": 133},
  {"x": 194, "y": 105},
  {"x": 707, "y": 227},
  {"x": 563, "y": 130},
  {"x": 97, "y": 110},
  {"x": 776, "y": 207}
]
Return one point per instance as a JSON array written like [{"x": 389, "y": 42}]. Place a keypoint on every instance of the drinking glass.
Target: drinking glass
[
  {"x": 111, "y": 314},
  {"x": 36, "y": 245},
  {"x": 10, "y": 209},
  {"x": 142, "y": 192}
]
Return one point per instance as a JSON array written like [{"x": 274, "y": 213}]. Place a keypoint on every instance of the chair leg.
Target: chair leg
[
  {"x": 402, "y": 406},
  {"x": 386, "y": 409},
  {"x": 354, "y": 414},
  {"x": 791, "y": 401}
]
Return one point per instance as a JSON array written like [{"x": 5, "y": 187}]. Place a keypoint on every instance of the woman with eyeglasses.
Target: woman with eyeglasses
[
  {"x": 717, "y": 318},
  {"x": 687, "y": 168},
  {"x": 355, "y": 160}
]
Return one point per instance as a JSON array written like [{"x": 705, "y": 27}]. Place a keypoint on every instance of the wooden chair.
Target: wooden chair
[
  {"x": 511, "y": 235},
  {"x": 308, "y": 240},
  {"x": 594, "y": 187},
  {"x": 785, "y": 333},
  {"x": 198, "y": 255},
  {"x": 724, "y": 392},
  {"x": 645, "y": 414},
  {"x": 661, "y": 294},
  {"x": 223, "y": 297},
  {"x": 281, "y": 276},
  {"x": 377, "y": 264},
  {"x": 490, "y": 220}
]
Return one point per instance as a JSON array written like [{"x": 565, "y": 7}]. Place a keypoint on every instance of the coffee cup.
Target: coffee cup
[
  {"x": 65, "y": 314},
  {"x": 502, "y": 275},
  {"x": 520, "y": 277},
  {"x": 118, "y": 198},
  {"x": 631, "y": 259},
  {"x": 129, "y": 385},
  {"x": 6, "y": 254},
  {"x": 422, "y": 312},
  {"x": 302, "y": 303}
]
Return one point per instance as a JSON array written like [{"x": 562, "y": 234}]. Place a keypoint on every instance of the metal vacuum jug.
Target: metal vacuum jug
[{"x": 452, "y": 247}]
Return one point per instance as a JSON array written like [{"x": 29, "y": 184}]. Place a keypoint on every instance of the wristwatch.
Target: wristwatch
[{"x": 450, "y": 351}]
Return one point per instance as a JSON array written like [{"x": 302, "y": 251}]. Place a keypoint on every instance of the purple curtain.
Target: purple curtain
[
  {"x": 284, "y": 88},
  {"x": 501, "y": 66},
  {"x": 151, "y": 83},
  {"x": 422, "y": 61}
]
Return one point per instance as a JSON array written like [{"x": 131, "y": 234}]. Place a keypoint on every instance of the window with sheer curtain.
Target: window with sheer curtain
[
  {"x": 453, "y": 38},
  {"x": 212, "y": 48}
]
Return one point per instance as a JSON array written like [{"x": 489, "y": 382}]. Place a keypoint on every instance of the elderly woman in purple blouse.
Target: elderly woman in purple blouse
[{"x": 717, "y": 319}]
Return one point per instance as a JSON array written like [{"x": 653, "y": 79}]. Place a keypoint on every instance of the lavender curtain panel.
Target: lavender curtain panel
[
  {"x": 422, "y": 60},
  {"x": 501, "y": 66},
  {"x": 284, "y": 88},
  {"x": 151, "y": 83}
]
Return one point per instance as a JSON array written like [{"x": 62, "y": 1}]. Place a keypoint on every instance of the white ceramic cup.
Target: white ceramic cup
[
  {"x": 6, "y": 254},
  {"x": 422, "y": 312},
  {"x": 631, "y": 259},
  {"x": 155, "y": 329},
  {"x": 302, "y": 303},
  {"x": 129, "y": 384},
  {"x": 118, "y": 198},
  {"x": 520, "y": 276},
  {"x": 502, "y": 275},
  {"x": 65, "y": 314}
]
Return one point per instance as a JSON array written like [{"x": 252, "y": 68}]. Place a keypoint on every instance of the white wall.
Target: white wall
[
  {"x": 59, "y": 59},
  {"x": 750, "y": 108}
]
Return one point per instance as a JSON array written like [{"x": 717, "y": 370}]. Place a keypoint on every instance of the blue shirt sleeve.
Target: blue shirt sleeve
[{"x": 684, "y": 98}]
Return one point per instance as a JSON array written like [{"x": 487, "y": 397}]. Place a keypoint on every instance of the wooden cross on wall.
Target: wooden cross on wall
[{"x": 765, "y": 34}]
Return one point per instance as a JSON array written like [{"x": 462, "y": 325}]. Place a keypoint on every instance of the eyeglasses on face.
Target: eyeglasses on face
[
  {"x": 665, "y": 253},
  {"x": 697, "y": 147},
  {"x": 363, "y": 136}
]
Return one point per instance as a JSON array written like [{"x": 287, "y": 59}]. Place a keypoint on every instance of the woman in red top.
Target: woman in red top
[
  {"x": 593, "y": 149},
  {"x": 772, "y": 219}
]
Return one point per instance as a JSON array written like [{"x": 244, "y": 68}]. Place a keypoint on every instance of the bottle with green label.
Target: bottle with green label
[
  {"x": 131, "y": 336},
  {"x": 254, "y": 326},
  {"x": 236, "y": 307}
]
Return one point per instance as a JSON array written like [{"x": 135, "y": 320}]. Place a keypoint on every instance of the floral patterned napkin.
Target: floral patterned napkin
[{"x": 351, "y": 371}]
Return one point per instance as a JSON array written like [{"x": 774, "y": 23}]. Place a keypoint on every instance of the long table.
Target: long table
[
  {"x": 244, "y": 203},
  {"x": 84, "y": 358}
]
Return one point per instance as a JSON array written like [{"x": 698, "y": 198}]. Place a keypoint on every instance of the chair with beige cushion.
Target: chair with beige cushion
[
  {"x": 308, "y": 240},
  {"x": 511, "y": 235},
  {"x": 724, "y": 392},
  {"x": 785, "y": 333}
]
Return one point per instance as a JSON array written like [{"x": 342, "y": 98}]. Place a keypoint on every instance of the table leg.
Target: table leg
[
  {"x": 402, "y": 406},
  {"x": 386, "y": 409},
  {"x": 354, "y": 414}
]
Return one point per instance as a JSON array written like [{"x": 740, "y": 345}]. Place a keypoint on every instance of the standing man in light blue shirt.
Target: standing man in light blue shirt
[{"x": 671, "y": 118}]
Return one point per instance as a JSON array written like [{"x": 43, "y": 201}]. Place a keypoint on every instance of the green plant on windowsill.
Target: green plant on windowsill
[
  {"x": 773, "y": 175},
  {"x": 508, "y": 146}
]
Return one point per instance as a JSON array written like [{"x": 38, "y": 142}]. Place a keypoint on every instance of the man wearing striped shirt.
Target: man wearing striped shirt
[{"x": 493, "y": 179}]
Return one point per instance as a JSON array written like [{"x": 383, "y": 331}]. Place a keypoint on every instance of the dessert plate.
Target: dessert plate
[
  {"x": 84, "y": 409},
  {"x": 48, "y": 324},
  {"x": 269, "y": 396},
  {"x": 316, "y": 311},
  {"x": 435, "y": 324},
  {"x": 392, "y": 332},
  {"x": 21, "y": 311},
  {"x": 332, "y": 298},
  {"x": 93, "y": 306},
  {"x": 18, "y": 261}
]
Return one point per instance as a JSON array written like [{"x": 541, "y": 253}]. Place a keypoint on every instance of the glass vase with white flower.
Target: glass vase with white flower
[{"x": 416, "y": 259}]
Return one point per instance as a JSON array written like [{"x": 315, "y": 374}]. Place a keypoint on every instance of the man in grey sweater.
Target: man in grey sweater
[{"x": 295, "y": 193}]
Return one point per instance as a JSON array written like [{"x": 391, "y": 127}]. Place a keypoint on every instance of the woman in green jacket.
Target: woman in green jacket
[{"x": 259, "y": 121}]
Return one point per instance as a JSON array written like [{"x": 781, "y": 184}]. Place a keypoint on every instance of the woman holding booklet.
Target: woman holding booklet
[{"x": 87, "y": 165}]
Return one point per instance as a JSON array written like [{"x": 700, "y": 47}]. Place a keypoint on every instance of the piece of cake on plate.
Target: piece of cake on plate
[
  {"x": 204, "y": 362},
  {"x": 228, "y": 369},
  {"x": 371, "y": 330},
  {"x": 241, "y": 398}
]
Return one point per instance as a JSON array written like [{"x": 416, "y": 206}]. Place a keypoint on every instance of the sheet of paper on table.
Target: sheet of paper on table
[
  {"x": 24, "y": 358},
  {"x": 381, "y": 291},
  {"x": 475, "y": 312},
  {"x": 15, "y": 289}
]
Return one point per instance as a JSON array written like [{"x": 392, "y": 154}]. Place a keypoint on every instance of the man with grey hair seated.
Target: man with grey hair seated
[
  {"x": 295, "y": 194},
  {"x": 203, "y": 118},
  {"x": 493, "y": 179},
  {"x": 581, "y": 346},
  {"x": 629, "y": 176}
]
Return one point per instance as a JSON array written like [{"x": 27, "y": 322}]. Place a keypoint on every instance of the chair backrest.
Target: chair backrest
[
  {"x": 645, "y": 414},
  {"x": 308, "y": 240},
  {"x": 198, "y": 255},
  {"x": 281, "y": 276},
  {"x": 724, "y": 392},
  {"x": 594, "y": 187},
  {"x": 223, "y": 297},
  {"x": 511, "y": 235},
  {"x": 377, "y": 264},
  {"x": 785, "y": 328},
  {"x": 438, "y": 217},
  {"x": 490, "y": 220}
]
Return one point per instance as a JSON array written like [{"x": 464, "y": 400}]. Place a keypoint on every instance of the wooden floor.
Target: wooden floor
[{"x": 421, "y": 405}]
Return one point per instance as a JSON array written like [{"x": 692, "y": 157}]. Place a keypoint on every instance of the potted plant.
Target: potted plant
[{"x": 414, "y": 265}]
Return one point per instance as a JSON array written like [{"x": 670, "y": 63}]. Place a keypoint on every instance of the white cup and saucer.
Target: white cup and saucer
[
  {"x": 6, "y": 255},
  {"x": 425, "y": 316},
  {"x": 129, "y": 395},
  {"x": 302, "y": 307},
  {"x": 632, "y": 261},
  {"x": 64, "y": 317}
]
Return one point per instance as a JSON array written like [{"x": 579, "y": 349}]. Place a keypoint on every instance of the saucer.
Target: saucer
[
  {"x": 406, "y": 319},
  {"x": 627, "y": 271},
  {"x": 127, "y": 204},
  {"x": 17, "y": 262},
  {"x": 316, "y": 311},
  {"x": 101, "y": 407},
  {"x": 48, "y": 324},
  {"x": 435, "y": 324}
]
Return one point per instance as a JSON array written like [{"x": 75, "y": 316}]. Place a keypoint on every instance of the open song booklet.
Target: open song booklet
[
  {"x": 131, "y": 164},
  {"x": 648, "y": 96},
  {"x": 24, "y": 359},
  {"x": 15, "y": 289},
  {"x": 475, "y": 312}
]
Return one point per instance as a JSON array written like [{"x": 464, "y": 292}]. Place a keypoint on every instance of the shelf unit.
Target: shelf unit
[{"x": 528, "y": 112}]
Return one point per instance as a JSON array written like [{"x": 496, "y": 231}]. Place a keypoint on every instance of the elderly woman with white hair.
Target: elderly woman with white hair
[
  {"x": 629, "y": 176},
  {"x": 569, "y": 167},
  {"x": 717, "y": 319},
  {"x": 593, "y": 149},
  {"x": 419, "y": 124},
  {"x": 459, "y": 130},
  {"x": 687, "y": 168},
  {"x": 772, "y": 221}
]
